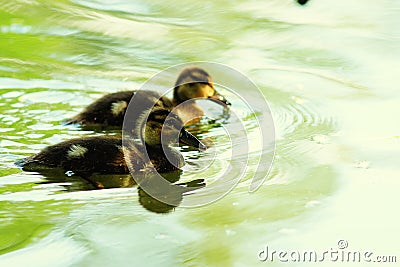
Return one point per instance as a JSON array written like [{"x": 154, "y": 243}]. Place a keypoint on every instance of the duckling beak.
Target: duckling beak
[
  {"x": 220, "y": 99},
  {"x": 191, "y": 140}
]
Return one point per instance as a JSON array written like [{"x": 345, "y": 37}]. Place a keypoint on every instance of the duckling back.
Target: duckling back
[
  {"x": 81, "y": 156},
  {"x": 101, "y": 154},
  {"x": 110, "y": 109}
]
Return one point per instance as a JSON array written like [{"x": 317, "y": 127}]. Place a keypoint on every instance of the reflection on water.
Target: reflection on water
[
  {"x": 328, "y": 70},
  {"x": 172, "y": 195}
]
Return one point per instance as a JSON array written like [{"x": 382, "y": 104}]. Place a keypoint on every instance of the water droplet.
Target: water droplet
[
  {"x": 363, "y": 164},
  {"x": 229, "y": 232},
  {"x": 320, "y": 139},
  {"x": 161, "y": 236},
  {"x": 69, "y": 173},
  {"x": 312, "y": 203},
  {"x": 298, "y": 100}
]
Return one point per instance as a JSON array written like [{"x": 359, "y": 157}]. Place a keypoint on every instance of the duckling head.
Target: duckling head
[
  {"x": 194, "y": 82},
  {"x": 165, "y": 128}
]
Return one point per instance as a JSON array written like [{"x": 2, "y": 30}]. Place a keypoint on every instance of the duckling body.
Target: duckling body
[
  {"x": 100, "y": 154},
  {"x": 82, "y": 156},
  {"x": 192, "y": 83},
  {"x": 110, "y": 109},
  {"x": 106, "y": 155}
]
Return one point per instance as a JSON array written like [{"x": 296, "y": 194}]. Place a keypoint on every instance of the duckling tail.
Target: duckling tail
[
  {"x": 21, "y": 162},
  {"x": 73, "y": 120},
  {"x": 29, "y": 164},
  {"x": 25, "y": 163}
]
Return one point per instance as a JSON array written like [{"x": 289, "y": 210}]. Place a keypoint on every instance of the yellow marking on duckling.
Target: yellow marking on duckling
[
  {"x": 118, "y": 107},
  {"x": 77, "y": 151}
]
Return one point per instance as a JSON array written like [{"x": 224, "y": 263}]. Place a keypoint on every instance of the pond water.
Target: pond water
[{"x": 329, "y": 71}]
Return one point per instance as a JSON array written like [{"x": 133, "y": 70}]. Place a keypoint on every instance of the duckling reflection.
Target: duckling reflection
[
  {"x": 171, "y": 195},
  {"x": 109, "y": 110},
  {"x": 98, "y": 181},
  {"x": 167, "y": 199}
]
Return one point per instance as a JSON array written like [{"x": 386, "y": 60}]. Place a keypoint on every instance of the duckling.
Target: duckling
[
  {"x": 105, "y": 154},
  {"x": 192, "y": 83}
]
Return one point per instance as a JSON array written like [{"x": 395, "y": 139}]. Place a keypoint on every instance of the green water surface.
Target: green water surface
[{"x": 329, "y": 70}]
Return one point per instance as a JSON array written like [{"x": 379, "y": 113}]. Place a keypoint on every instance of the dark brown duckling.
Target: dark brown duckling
[
  {"x": 105, "y": 154},
  {"x": 192, "y": 83}
]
